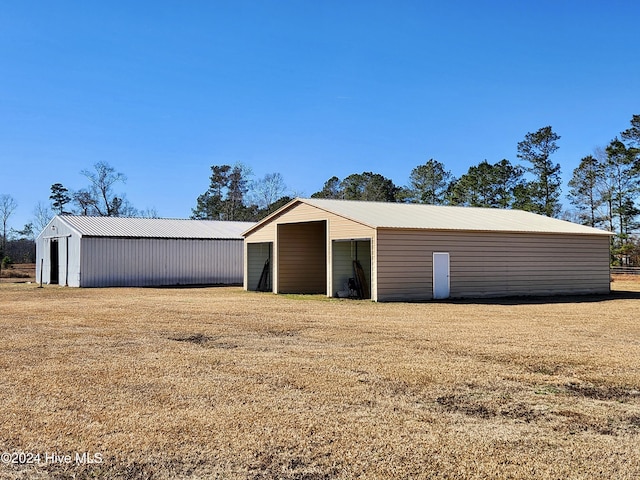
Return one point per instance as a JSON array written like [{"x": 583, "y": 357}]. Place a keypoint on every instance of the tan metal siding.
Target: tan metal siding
[
  {"x": 490, "y": 264},
  {"x": 338, "y": 228},
  {"x": 266, "y": 233},
  {"x": 302, "y": 259}
]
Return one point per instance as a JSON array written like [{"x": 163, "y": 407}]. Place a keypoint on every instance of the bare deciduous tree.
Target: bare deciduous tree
[
  {"x": 42, "y": 215},
  {"x": 8, "y": 205},
  {"x": 100, "y": 198},
  {"x": 268, "y": 190}
]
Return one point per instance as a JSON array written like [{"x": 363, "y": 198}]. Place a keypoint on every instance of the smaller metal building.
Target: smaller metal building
[{"x": 80, "y": 251}]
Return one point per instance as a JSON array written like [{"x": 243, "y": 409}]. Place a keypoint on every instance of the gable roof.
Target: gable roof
[
  {"x": 437, "y": 217},
  {"x": 124, "y": 227}
]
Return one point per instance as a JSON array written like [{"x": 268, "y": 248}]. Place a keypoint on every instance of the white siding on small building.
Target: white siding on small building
[{"x": 68, "y": 242}]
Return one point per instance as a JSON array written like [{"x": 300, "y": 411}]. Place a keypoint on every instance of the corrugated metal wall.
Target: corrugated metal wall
[{"x": 153, "y": 262}]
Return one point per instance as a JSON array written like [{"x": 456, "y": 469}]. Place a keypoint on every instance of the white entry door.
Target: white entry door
[{"x": 440, "y": 275}]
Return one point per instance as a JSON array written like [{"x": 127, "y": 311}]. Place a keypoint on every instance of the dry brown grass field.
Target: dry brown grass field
[{"x": 222, "y": 383}]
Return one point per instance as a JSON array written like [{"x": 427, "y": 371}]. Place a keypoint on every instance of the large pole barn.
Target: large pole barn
[
  {"x": 410, "y": 252},
  {"x": 80, "y": 251}
]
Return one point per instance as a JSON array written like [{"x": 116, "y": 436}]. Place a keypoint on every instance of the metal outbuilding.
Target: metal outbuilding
[
  {"x": 410, "y": 252},
  {"x": 81, "y": 251}
]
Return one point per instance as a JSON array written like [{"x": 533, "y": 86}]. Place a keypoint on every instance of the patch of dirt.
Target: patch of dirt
[
  {"x": 205, "y": 341},
  {"x": 521, "y": 411},
  {"x": 613, "y": 425},
  {"x": 197, "y": 338},
  {"x": 281, "y": 333},
  {"x": 545, "y": 369},
  {"x": 465, "y": 404},
  {"x": 615, "y": 393},
  {"x": 474, "y": 407},
  {"x": 634, "y": 421},
  {"x": 285, "y": 463}
]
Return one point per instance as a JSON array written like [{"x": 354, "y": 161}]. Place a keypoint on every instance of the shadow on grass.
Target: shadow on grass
[
  {"x": 193, "y": 286},
  {"x": 515, "y": 300},
  {"x": 543, "y": 300}
]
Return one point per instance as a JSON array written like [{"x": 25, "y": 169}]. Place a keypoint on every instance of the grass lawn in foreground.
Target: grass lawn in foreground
[{"x": 222, "y": 383}]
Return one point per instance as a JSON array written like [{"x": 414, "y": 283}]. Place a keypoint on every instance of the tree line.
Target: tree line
[
  {"x": 492, "y": 185},
  {"x": 604, "y": 190},
  {"x": 232, "y": 196}
]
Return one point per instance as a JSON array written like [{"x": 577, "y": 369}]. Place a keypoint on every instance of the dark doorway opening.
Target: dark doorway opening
[
  {"x": 302, "y": 257},
  {"x": 259, "y": 266},
  {"x": 351, "y": 268},
  {"x": 54, "y": 263}
]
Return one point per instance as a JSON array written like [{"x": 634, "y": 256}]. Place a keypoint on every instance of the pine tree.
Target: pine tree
[
  {"x": 544, "y": 190},
  {"x": 60, "y": 198},
  {"x": 429, "y": 183}
]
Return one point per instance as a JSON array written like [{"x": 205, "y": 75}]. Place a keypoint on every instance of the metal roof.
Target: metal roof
[
  {"x": 154, "y": 227},
  {"x": 436, "y": 217}
]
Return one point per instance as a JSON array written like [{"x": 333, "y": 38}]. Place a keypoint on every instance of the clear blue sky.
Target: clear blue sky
[{"x": 162, "y": 90}]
